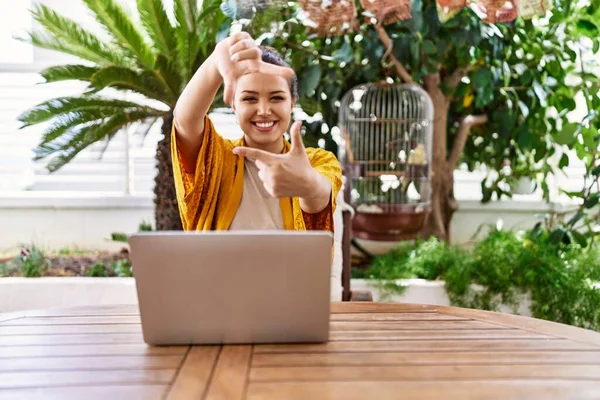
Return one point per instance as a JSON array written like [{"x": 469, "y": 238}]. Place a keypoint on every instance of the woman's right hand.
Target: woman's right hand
[{"x": 239, "y": 55}]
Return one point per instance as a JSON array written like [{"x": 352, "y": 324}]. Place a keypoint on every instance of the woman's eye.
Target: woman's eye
[
  {"x": 248, "y": 99},
  {"x": 277, "y": 98}
]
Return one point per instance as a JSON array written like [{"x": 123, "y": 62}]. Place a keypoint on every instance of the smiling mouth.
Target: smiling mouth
[{"x": 264, "y": 126}]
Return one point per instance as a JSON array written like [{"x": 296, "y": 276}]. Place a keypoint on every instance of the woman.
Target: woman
[{"x": 259, "y": 181}]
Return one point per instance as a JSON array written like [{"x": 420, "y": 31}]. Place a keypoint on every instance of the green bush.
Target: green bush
[
  {"x": 122, "y": 268},
  {"x": 99, "y": 269},
  {"x": 559, "y": 277},
  {"x": 119, "y": 237},
  {"x": 32, "y": 262}
]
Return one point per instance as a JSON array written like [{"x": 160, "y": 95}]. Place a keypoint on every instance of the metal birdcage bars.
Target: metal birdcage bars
[{"x": 387, "y": 131}]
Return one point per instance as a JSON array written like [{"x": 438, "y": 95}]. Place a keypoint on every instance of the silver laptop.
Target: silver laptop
[{"x": 233, "y": 286}]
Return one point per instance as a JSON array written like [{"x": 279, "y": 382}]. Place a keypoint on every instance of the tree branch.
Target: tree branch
[
  {"x": 387, "y": 43},
  {"x": 461, "y": 137},
  {"x": 455, "y": 78}
]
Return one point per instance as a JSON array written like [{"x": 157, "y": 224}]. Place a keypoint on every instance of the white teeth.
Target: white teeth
[{"x": 265, "y": 124}]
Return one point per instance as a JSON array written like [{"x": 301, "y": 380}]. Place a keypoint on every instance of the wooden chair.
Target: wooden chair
[{"x": 344, "y": 214}]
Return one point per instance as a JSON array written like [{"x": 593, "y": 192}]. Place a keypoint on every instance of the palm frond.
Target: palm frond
[
  {"x": 71, "y": 72},
  {"x": 64, "y": 123},
  {"x": 185, "y": 13},
  {"x": 209, "y": 21},
  {"x": 144, "y": 131},
  {"x": 168, "y": 73},
  {"x": 65, "y": 35},
  {"x": 121, "y": 27},
  {"x": 183, "y": 33},
  {"x": 63, "y": 105},
  {"x": 144, "y": 82},
  {"x": 157, "y": 24},
  {"x": 78, "y": 139}
]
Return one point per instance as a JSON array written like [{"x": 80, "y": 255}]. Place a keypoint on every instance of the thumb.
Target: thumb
[{"x": 296, "y": 136}]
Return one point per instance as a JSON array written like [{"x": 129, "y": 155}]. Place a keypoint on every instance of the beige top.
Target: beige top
[{"x": 258, "y": 210}]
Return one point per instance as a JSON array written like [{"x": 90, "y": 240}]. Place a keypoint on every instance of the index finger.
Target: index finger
[
  {"x": 228, "y": 90},
  {"x": 233, "y": 39},
  {"x": 272, "y": 69},
  {"x": 255, "y": 154}
]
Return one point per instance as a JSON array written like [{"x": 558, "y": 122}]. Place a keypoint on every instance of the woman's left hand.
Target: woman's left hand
[{"x": 286, "y": 175}]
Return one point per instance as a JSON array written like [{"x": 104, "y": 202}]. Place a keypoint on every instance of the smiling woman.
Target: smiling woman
[{"x": 260, "y": 181}]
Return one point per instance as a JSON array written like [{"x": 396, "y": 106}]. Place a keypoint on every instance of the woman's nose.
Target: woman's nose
[{"x": 264, "y": 108}]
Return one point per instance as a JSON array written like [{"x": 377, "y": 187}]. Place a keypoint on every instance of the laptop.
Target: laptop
[{"x": 228, "y": 287}]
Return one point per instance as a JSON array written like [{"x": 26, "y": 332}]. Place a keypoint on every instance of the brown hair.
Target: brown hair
[{"x": 271, "y": 56}]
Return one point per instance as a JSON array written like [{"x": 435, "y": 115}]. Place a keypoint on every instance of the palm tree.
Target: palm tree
[{"x": 155, "y": 62}]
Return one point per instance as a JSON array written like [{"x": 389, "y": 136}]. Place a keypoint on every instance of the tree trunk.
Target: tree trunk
[
  {"x": 443, "y": 204},
  {"x": 166, "y": 211}
]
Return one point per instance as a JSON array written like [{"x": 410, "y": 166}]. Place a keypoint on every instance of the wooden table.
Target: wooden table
[{"x": 376, "y": 351}]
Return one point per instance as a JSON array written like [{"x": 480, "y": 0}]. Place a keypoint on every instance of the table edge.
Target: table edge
[{"x": 537, "y": 325}]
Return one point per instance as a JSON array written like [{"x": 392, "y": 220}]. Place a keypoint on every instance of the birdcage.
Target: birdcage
[{"x": 387, "y": 131}]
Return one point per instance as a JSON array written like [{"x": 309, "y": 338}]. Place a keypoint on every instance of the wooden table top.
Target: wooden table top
[{"x": 376, "y": 351}]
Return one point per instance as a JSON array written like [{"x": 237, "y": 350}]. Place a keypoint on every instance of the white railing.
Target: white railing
[{"x": 127, "y": 166}]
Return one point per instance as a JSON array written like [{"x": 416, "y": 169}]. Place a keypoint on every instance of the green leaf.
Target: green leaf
[
  {"x": 576, "y": 218},
  {"x": 557, "y": 236},
  {"x": 88, "y": 135},
  {"x": 523, "y": 108},
  {"x": 451, "y": 23},
  {"x": 592, "y": 201},
  {"x": 579, "y": 238},
  {"x": 65, "y": 35},
  {"x": 554, "y": 67},
  {"x": 157, "y": 24},
  {"x": 506, "y": 72},
  {"x": 183, "y": 32},
  {"x": 572, "y": 195},
  {"x": 526, "y": 77},
  {"x": 344, "y": 54},
  {"x": 414, "y": 50},
  {"x": 525, "y": 138},
  {"x": 596, "y": 171},
  {"x": 482, "y": 77},
  {"x": 564, "y": 161},
  {"x": 185, "y": 14},
  {"x": 68, "y": 72},
  {"x": 587, "y": 28},
  {"x": 122, "y": 78},
  {"x": 121, "y": 27},
  {"x": 429, "y": 47},
  {"x": 166, "y": 72},
  {"x": 66, "y": 122},
  {"x": 485, "y": 95},
  {"x": 540, "y": 93},
  {"x": 588, "y": 134},
  {"x": 566, "y": 136},
  {"x": 63, "y": 105},
  {"x": 310, "y": 80}
]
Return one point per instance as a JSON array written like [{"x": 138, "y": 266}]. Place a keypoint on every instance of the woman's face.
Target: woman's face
[{"x": 263, "y": 106}]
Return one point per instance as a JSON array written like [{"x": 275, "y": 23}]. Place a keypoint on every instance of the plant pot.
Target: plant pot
[
  {"x": 524, "y": 185},
  {"x": 389, "y": 223}
]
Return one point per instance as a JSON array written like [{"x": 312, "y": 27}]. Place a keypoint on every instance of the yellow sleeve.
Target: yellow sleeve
[
  {"x": 326, "y": 164},
  {"x": 197, "y": 192}
]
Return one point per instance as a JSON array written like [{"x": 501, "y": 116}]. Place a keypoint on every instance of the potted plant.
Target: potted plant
[{"x": 522, "y": 178}]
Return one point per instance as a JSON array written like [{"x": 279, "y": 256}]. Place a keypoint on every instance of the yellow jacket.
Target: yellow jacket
[{"x": 209, "y": 198}]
